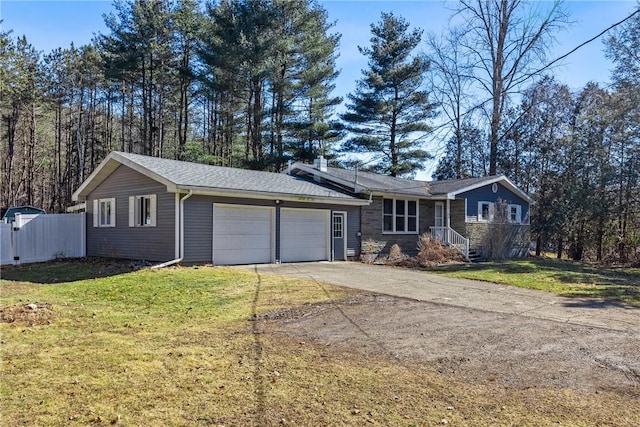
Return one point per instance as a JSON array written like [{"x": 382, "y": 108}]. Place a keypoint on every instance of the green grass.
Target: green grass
[
  {"x": 181, "y": 346},
  {"x": 562, "y": 277}
]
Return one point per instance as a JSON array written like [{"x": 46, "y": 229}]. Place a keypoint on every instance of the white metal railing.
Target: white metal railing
[{"x": 451, "y": 237}]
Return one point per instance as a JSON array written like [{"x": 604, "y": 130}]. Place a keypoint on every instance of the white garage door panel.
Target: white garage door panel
[
  {"x": 242, "y": 234},
  {"x": 304, "y": 235}
]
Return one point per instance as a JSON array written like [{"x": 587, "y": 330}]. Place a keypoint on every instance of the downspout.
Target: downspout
[{"x": 181, "y": 238}]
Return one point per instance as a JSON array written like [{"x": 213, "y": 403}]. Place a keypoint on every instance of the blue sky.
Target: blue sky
[{"x": 51, "y": 24}]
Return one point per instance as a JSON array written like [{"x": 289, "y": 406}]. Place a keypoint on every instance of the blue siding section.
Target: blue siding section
[{"x": 486, "y": 194}]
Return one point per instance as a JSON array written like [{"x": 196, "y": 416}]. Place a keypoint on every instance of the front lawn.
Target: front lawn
[
  {"x": 562, "y": 277},
  {"x": 187, "y": 346}
]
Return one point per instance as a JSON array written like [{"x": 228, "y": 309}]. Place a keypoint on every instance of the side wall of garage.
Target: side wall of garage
[{"x": 121, "y": 240}]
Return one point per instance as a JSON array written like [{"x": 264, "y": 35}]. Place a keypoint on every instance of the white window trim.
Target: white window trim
[
  {"x": 491, "y": 211},
  {"x": 134, "y": 210},
  {"x": 406, "y": 216},
  {"x": 97, "y": 220},
  {"x": 518, "y": 213}
]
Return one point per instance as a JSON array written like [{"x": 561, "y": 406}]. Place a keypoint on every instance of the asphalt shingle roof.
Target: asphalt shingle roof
[
  {"x": 451, "y": 186},
  {"x": 187, "y": 174},
  {"x": 383, "y": 183},
  {"x": 410, "y": 187}
]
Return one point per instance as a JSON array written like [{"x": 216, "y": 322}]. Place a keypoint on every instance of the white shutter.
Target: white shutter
[
  {"x": 113, "y": 212},
  {"x": 132, "y": 211},
  {"x": 96, "y": 214},
  {"x": 152, "y": 201},
  {"x": 492, "y": 210}
]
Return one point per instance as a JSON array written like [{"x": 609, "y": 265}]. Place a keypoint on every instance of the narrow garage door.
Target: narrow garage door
[
  {"x": 243, "y": 234},
  {"x": 304, "y": 234}
]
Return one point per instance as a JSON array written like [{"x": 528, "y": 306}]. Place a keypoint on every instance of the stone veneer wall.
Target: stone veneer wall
[
  {"x": 376, "y": 242},
  {"x": 458, "y": 216},
  {"x": 488, "y": 238}
]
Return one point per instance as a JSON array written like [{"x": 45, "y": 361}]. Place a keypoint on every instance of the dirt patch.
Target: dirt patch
[
  {"x": 476, "y": 345},
  {"x": 32, "y": 314}
]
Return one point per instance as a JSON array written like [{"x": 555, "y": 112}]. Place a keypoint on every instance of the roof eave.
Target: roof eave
[
  {"x": 248, "y": 194},
  {"x": 499, "y": 178},
  {"x": 106, "y": 168},
  {"x": 384, "y": 193}
]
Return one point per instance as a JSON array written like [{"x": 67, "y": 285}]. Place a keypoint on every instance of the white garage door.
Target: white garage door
[
  {"x": 243, "y": 234},
  {"x": 304, "y": 235}
]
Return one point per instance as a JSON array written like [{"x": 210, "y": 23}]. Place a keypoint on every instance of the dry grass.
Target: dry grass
[{"x": 188, "y": 346}]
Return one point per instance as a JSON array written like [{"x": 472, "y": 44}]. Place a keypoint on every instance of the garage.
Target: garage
[
  {"x": 304, "y": 234},
  {"x": 243, "y": 234}
]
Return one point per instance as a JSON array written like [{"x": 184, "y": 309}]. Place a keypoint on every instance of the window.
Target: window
[
  {"x": 399, "y": 216},
  {"x": 104, "y": 212},
  {"x": 515, "y": 214},
  {"x": 337, "y": 226},
  {"x": 142, "y": 211},
  {"x": 485, "y": 211}
]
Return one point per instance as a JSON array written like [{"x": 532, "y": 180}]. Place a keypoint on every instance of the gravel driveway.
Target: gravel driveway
[
  {"x": 422, "y": 286},
  {"x": 479, "y": 331}
]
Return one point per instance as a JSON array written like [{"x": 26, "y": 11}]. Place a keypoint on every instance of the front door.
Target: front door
[
  {"x": 339, "y": 228},
  {"x": 439, "y": 221}
]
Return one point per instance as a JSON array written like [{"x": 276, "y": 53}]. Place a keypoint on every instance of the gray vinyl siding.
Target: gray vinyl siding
[
  {"x": 353, "y": 229},
  {"x": 198, "y": 224},
  {"x": 139, "y": 243},
  {"x": 198, "y": 229}
]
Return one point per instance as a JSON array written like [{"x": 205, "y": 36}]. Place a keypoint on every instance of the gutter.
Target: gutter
[
  {"x": 274, "y": 196},
  {"x": 181, "y": 237}
]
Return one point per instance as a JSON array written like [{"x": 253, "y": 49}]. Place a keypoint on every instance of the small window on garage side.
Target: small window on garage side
[
  {"x": 104, "y": 212},
  {"x": 142, "y": 211}
]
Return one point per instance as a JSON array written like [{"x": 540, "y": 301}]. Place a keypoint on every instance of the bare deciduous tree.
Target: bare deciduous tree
[{"x": 508, "y": 40}]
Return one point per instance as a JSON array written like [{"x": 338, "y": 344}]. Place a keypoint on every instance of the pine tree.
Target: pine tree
[{"x": 387, "y": 114}]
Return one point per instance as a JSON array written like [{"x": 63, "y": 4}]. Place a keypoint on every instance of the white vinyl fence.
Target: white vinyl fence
[{"x": 37, "y": 238}]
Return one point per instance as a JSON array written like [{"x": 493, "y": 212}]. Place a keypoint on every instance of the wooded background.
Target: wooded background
[{"x": 249, "y": 83}]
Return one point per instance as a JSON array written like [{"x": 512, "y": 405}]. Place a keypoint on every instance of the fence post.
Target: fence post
[{"x": 83, "y": 234}]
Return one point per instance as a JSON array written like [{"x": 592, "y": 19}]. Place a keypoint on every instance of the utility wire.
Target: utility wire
[
  {"x": 548, "y": 65},
  {"x": 481, "y": 104},
  {"x": 560, "y": 58}
]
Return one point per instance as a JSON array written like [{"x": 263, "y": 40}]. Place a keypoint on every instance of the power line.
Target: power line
[
  {"x": 481, "y": 104},
  {"x": 592, "y": 39}
]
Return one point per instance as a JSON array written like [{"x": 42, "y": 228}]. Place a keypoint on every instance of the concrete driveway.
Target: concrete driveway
[{"x": 486, "y": 296}]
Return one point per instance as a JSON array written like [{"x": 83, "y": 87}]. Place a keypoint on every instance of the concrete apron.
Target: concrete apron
[{"x": 422, "y": 286}]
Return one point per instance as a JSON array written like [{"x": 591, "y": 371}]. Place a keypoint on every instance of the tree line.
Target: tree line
[{"x": 249, "y": 83}]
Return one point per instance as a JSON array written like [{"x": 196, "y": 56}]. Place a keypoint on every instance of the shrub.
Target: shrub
[{"x": 433, "y": 252}]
